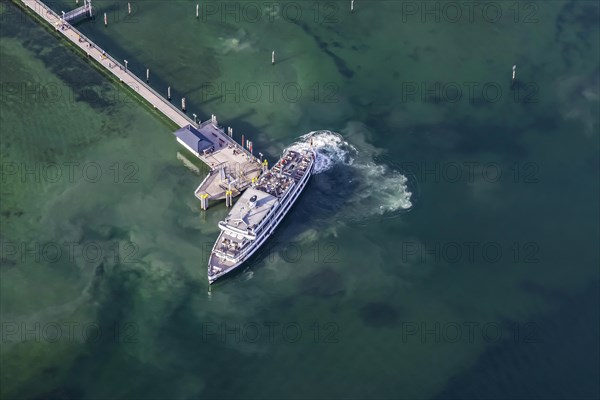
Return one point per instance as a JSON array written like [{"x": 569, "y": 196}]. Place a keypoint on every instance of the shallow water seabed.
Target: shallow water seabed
[{"x": 355, "y": 277}]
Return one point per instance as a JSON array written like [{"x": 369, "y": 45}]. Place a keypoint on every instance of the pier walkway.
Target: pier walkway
[{"x": 223, "y": 156}]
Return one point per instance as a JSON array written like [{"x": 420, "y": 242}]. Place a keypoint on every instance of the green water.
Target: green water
[{"x": 358, "y": 295}]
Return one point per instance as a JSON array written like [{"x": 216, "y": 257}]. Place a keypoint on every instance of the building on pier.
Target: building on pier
[{"x": 193, "y": 140}]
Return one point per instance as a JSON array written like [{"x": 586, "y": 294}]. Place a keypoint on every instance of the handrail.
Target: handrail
[{"x": 203, "y": 181}]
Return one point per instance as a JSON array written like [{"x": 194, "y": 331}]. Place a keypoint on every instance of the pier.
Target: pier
[{"x": 232, "y": 167}]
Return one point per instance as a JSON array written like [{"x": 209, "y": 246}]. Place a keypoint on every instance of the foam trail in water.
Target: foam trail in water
[
  {"x": 374, "y": 189},
  {"x": 330, "y": 147}
]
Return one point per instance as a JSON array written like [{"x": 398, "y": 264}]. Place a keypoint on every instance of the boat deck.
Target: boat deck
[
  {"x": 250, "y": 210},
  {"x": 293, "y": 164},
  {"x": 226, "y": 250}
]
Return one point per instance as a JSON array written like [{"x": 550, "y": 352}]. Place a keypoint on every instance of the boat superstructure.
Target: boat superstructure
[{"x": 258, "y": 211}]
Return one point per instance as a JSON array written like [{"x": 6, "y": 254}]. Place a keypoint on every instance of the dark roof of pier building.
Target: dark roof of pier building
[{"x": 193, "y": 138}]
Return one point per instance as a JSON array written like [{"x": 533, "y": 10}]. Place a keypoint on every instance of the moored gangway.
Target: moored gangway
[{"x": 85, "y": 10}]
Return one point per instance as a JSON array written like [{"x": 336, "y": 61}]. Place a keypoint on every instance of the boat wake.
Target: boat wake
[
  {"x": 367, "y": 188},
  {"x": 331, "y": 149}
]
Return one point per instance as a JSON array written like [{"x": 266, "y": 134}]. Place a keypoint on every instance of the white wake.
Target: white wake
[{"x": 373, "y": 188}]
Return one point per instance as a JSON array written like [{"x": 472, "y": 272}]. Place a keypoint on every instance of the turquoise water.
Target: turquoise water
[{"x": 447, "y": 248}]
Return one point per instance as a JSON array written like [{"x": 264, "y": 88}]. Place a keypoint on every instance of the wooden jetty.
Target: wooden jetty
[{"x": 232, "y": 167}]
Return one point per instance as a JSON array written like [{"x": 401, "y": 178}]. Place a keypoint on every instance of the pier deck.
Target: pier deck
[{"x": 222, "y": 156}]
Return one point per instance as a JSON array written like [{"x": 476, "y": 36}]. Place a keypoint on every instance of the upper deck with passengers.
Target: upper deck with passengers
[
  {"x": 271, "y": 189},
  {"x": 293, "y": 164}
]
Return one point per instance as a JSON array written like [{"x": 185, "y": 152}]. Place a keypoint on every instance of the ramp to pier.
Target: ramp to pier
[{"x": 84, "y": 11}]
